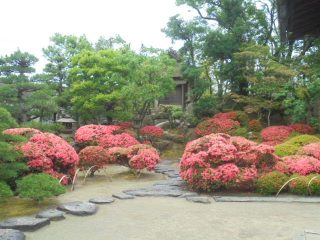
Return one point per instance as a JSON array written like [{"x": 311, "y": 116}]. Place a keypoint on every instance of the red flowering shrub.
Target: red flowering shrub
[
  {"x": 50, "y": 154},
  {"x": 124, "y": 125},
  {"x": 300, "y": 164},
  {"x": 137, "y": 157},
  {"x": 26, "y": 132},
  {"x": 93, "y": 156},
  {"x": 151, "y": 131},
  {"x": 227, "y": 115},
  {"x": 312, "y": 149},
  {"x": 119, "y": 140},
  {"x": 89, "y": 134},
  {"x": 254, "y": 125},
  {"x": 276, "y": 134},
  {"x": 216, "y": 125},
  {"x": 302, "y": 128},
  {"x": 219, "y": 160}
]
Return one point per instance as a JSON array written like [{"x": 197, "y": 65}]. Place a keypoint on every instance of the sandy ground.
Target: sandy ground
[{"x": 174, "y": 218}]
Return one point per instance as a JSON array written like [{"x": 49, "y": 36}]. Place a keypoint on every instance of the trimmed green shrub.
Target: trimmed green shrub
[
  {"x": 243, "y": 132},
  {"x": 270, "y": 183},
  {"x": 205, "y": 107},
  {"x": 44, "y": 127},
  {"x": 243, "y": 118},
  {"x": 39, "y": 186},
  {"x": 299, "y": 185},
  {"x": 314, "y": 186},
  {"x": 5, "y": 191},
  {"x": 292, "y": 146},
  {"x": 6, "y": 121}
]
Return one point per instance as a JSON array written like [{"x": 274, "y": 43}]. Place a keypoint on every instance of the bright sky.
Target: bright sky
[{"x": 28, "y": 24}]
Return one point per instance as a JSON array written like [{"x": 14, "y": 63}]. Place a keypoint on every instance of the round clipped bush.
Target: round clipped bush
[
  {"x": 26, "y": 132},
  {"x": 93, "y": 156},
  {"x": 227, "y": 115},
  {"x": 221, "y": 161},
  {"x": 302, "y": 128},
  {"x": 314, "y": 184},
  {"x": 270, "y": 183},
  {"x": 50, "y": 154},
  {"x": 299, "y": 185},
  {"x": 276, "y": 134},
  {"x": 254, "y": 125},
  {"x": 39, "y": 186},
  {"x": 312, "y": 149},
  {"x": 291, "y": 146},
  {"x": 298, "y": 164},
  {"x": 119, "y": 140},
  {"x": 216, "y": 125},
  {"x": 5, "y": 191},
  {"x": 152, "y": 131}
]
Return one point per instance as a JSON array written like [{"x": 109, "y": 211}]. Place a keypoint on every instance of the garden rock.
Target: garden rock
[
  {"x": 157, "y": 191},
  {"x": 101, "y": 200},
  {"x": 52, "y": 214},
  {"x": 189, "y": 194},
  {"x": 174, "y": 182},
  {"x": 122, "y": 196},
  {"x": 25, "y": 223},
  {"x": 79, "y": 208},
  {"x": 199, "y": 199},
  {"x": 11, "y": 234}
]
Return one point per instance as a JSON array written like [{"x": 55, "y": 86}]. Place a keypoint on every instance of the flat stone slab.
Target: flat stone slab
[
  {"x": 173, "y": 182},
  {"x": 122, "y": 196},
  {"x": 11, "y": 234},
  {"x": 189, "y": 194},
  {"x": 157, "y": 191},
  {"x": 199, "y": 199},
  {"x": 52, "y": 214},
  {"x": 101, "y": 200},
  {"x": 25, "y": 223},
  {"x": 79, "y": 208},
  {"x": 267, "y": 199}
]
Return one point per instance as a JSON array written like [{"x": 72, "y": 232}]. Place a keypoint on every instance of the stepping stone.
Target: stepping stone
[
  {"x": 25, "y": 223},
  {"x": 11, "y": 234},
  {"x": 122, "y": 196},
  {"x": 78, "y": 208},
  {"x": 199, "y": 199},
  {"x": 157, "y": 191},
  {"x": 174, "y": 182},
  {"x": 101, "y": 200},
  {"x": 52, "y": 214},
  {"x": 189, "y": 194}
]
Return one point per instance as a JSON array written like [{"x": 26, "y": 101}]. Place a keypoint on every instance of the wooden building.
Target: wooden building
[
  {"x": 299, "y": 18},
  {"x": 180, "y": 94}
]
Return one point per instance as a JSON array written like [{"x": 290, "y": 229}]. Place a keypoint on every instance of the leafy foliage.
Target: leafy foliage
[
  {"x": 5, "y": 191},
  {"x": 270, "y": 183},
  {"x": 39, "y": 186}
]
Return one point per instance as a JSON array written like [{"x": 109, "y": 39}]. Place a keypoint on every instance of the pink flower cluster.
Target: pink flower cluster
[
  {"x": 89, "y": 134},
  {"x": 302, "y": 128},
  {"x": 219, "y": 160},
  {"x": 275, "y": 134},
  {"x": 50, "y": 154},
  {"x": 93, "y": 156},
  {"x": 300, "y": 164},
  {"x": 137, "y": 157},
  {"x": 152, "y": 131},
  {"x": 27, "y": 132},
  {"x": 227, "y": 115},
  {"x": 312, "y": 149},
  {"x": 119, "y": 140},
  {"x": 216, "y": 125}
]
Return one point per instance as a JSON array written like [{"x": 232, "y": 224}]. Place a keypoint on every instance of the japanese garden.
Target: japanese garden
[{"x": 214, "y": 137}]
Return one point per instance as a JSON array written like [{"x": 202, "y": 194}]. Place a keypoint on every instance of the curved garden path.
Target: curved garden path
[{"x": 145, "y": 218}]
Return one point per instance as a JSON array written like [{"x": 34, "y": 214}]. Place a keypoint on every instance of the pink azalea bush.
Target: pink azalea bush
[
  {"x": 93, "y": 156},
  {"x": 302, "y": 128},
  {"x": 90, "y": 134},
  {"x": 298, "y": 164},
  {"x": 227, "y": 115},
  {"x": 216, "y": 125},
  {"x": 27, "y": 132},
  {"x": 136, "y": 157},
  {"x": 119, "y": 140},
  {"x": 152, "y": 131},
  {"x": 219, "y": 160},
  {"x": 48, "y": 153},
  {"x": 312, "y": 149},
  {"x": 275, "y": 134}
]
